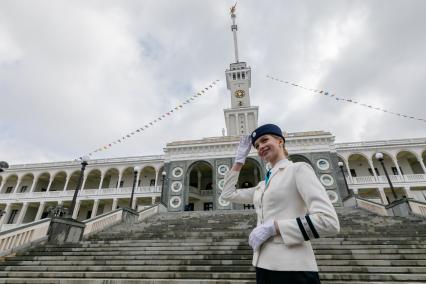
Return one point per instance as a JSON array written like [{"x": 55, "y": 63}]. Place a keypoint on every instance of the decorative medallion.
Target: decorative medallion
[
  {"x": 222, "y": 169},
  {"x": 327, "y": 180},
  {"x": 220, "y": 183},
  {"x": 176, "y": 186},
  {"x": 323, "y": 164},
  {"x": 222, "y": 202},
  {"x": 333, "y": 196},
  {"x": 175, "y": 201},
  {"x": 177, "y": 172}
]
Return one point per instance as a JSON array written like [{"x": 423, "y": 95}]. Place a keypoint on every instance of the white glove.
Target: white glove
[
  {"x": 243, "y": 149},
  {"x": 261, "y": 233}
]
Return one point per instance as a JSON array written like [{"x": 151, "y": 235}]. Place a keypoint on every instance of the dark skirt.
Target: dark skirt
[{"x": 264, "y": 276}]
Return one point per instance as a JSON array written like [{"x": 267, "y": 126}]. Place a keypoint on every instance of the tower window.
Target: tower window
[
  {"x": 233, "y": 76},
  {"x": 238, "y": 75},
  {"x": 243, "y": 75}
]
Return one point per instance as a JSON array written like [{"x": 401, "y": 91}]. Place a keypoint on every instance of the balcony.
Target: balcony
[
  {"x": 83, "y": 194},
  {"x": 410, "y": 179}
]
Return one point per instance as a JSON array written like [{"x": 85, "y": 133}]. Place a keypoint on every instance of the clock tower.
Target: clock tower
[{"x": 241, "y": 118}]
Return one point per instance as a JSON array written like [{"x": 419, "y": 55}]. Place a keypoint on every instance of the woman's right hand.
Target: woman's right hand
[{"x": 243, "y": 149}]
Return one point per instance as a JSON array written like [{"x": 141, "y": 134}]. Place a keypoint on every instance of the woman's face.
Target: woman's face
[{"x": 269, "y": 148}]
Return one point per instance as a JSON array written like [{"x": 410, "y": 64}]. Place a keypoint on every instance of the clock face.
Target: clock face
[{"x": 239, "y": 93}]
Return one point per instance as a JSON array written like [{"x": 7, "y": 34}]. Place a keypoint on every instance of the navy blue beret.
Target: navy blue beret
[{"x": 266, "y": 129}]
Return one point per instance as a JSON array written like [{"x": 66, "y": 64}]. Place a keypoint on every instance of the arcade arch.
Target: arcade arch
[
  {"x": 408, "y": 163},
  {"x": 42, "y": 182},
  {"x": 10, "y": 183},
  {"x": 147, "y": 176},
  {"x": 93, "y": 179},
  {"x": 110, "y": 178},
  {"x": 73, "y": 180},
  {"x": 387, "y": 161},
  {"x": 359, "y": 165},
  {"x": 59, "y": 181},
  {"x": 250, "y": 174}
]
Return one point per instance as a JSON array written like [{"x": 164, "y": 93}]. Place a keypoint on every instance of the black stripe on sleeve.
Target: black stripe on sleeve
[
  {"x": 311, "y": 225},
  {"x": 302, "y": 229}
]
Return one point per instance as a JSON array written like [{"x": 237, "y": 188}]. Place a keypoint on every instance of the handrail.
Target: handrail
[
  {"x": 371, "y": 206},
  {"x": 148, "y": 212},
  {"x": 103, "y": 221},
  {"x": 22, "y": 236},
  {"x": 417, "y": 207}
]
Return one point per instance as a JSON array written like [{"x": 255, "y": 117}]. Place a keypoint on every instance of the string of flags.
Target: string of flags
[
  {"x": 153, "y": 122},
  {"x": 340, "y": 99}
]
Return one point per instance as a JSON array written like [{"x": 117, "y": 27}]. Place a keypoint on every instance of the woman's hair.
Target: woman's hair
[{"x": 284, "y": 148}]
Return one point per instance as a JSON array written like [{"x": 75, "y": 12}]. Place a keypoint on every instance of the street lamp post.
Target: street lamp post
[
  {"x": 135, "y": 176},
  {"x": 344, "y": 177},
  {"x": 84, "y": 163},
  {"x": 163, "y": 174},
  {"x": 379, "y": 156}
]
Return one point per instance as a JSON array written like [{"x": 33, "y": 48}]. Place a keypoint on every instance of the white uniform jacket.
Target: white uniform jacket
[{"x": 296, "y": 199}]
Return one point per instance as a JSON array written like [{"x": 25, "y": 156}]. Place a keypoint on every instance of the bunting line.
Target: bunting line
[
  {"x": 152, "y": 123},
  {"x": 340, "y": 99}
]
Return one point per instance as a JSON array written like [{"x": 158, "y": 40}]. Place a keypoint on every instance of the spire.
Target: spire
[{"x": 234, "y": 29}]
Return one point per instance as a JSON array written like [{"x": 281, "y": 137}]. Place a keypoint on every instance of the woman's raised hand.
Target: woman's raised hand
[{"x": 243, "y": 149}]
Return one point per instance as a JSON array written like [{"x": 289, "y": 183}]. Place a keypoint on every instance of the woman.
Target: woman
[{"x": 292, "y": 208}]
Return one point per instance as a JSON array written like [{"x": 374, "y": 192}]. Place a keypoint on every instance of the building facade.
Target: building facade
[{"x": 189, "y": 176}]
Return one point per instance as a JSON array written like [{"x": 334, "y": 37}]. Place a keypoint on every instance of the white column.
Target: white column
[
  {"x": 84, "y": 181},
  {"x": 370, "y": 162},
  {"x": 157, "y": 174},
  {"x": 40, "y": 211},
  {"x": 114, "y": 204},
  {"x": 120, "y": 175},
  {"x": 60, "y": 202},
  {"x": 383, "y": 195},
  {"x": 34, "y": 184},
  {"x": 153, "y": 200},
  {"x": 18, "y": 183},
  {"x": 2, "y": 183},
  {"x": 22, "y": 213},
  {"x": 76, "y": 209},
  {"x": 94, "y": 208},
  {"x": 199, "y": 179},
  {"x": 102, "y": 180},
  {"x": 422, "y": 164},
  {"x": 50, "y": 184},
  {"x": 66, "y": 182},
  {"x": 349, "y": 171},
  {"x": 395, "y": 161},
  {"x": 6, "y": 214},
  {"x": 134, "y": 203}
]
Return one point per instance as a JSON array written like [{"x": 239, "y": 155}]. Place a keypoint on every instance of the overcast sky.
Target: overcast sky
[{"x": 76, "y": 75}]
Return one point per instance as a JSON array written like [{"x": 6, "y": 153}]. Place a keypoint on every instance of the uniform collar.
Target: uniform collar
[{"x": 279, "y": 165}]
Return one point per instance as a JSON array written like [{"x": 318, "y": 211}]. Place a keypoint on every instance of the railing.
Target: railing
[
  {"x": 206, "y": 192},
  {"x": 364, "y": 180},
  {"x": 103, "y": 221},
  {"x": 393, "y": 178},
  {"x": 23, "y": 236},
  {"x": 146, "y": 213},
  {"x": 415, "y": 177},
  {"x": 417, "y": 207},
  {"x": 82, "y": 193},
  {"x": 203, "y": 192},
  {"x": 383, "y": 179},
  {"x": 371, "y": 206}
]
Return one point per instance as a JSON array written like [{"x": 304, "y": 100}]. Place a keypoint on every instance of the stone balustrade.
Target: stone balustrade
[
  {"x": 116, "y": 192},
  {"x": 22, "y": 236}
]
